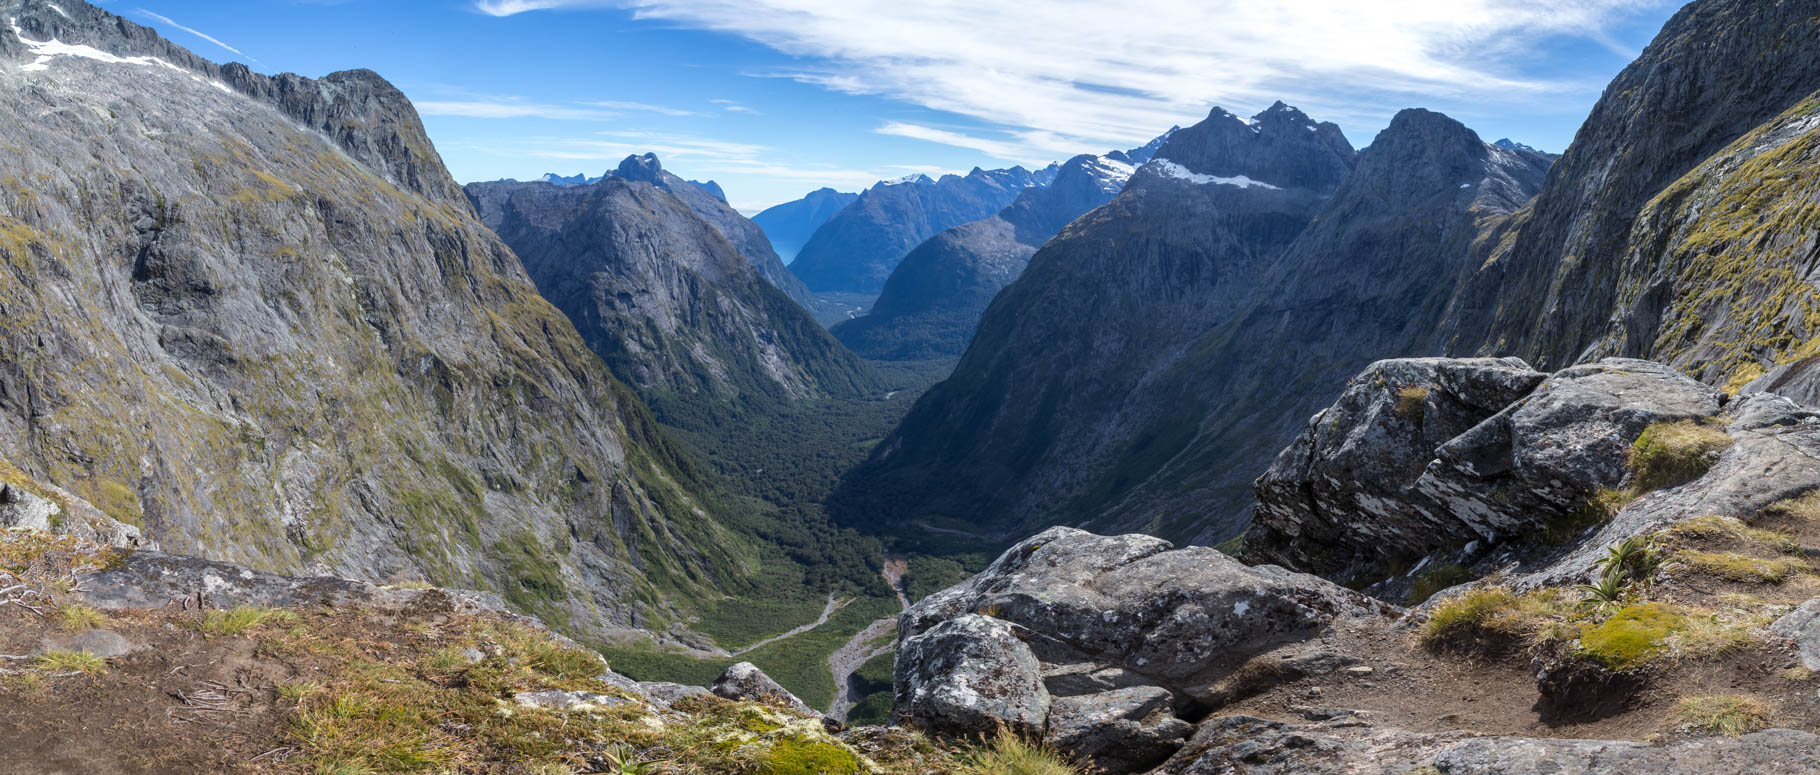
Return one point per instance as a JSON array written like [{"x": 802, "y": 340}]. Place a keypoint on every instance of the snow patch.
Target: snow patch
[
  {"x": 60, "y": 11},
  {"x": 48, "y": 50},
  {"x": 1179, "y": 172},
  {"x": 1111, "y": 173},
  {"x": 1465, "y": 185}
]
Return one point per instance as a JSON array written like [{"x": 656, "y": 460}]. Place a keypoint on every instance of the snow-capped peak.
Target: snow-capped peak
[
  {"x": 1110, "y": 173},
  {"x": 912, "y": 178}
]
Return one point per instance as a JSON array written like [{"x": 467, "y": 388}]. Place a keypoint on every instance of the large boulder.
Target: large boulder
[
  {"x": 1424, "y": 454},
  {"x": 1122, "y": 730},
  {"x": 1102, "y": 642},
  {"x": 744, "y": 681},
  {"x": 1802, "y": 626},
  {"x": 970, "y": 675}
]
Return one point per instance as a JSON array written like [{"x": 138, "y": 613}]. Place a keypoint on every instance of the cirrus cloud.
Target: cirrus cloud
[{"x": 1081, "y": 74}]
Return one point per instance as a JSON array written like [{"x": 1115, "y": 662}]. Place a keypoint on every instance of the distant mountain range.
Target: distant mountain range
[
  {"x": 580, "y": 179},
  {"x": 789, "y": 225},
  {"x": 933, "y": 299},
  {"x": 1152, "y": 358},
  {"x": 856, "y": 249}
]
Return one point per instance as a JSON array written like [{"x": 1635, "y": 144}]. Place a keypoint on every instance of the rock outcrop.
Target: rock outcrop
[
  {"x": 1106, "y": 646},
  {"x": 1428, "y": 453},
  {"x": 744, "y": 681}
]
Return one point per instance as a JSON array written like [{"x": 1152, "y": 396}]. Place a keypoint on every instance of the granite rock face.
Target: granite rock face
[
  {"x": 661, "y": 295},
  {"x": 1102, "y": 644},
  {"x": 1426, "y": 453},
  {"x": 711, "y": 205}
]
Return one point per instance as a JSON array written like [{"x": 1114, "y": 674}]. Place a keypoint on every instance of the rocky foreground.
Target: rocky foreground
[
  {"x": 1607, "y": 569},
  {"x": 1475, "y": 568}
]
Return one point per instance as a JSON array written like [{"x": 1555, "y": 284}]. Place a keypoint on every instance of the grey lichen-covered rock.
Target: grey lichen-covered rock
[
  {"x": 1802, "y": 626},
  {"x": 1342, "y": 489},
  {"x": 1102, "y": 641},
  {"x": 1774, "y": 456},
  {"x": 22, "y": 510},
  {"x": 155, "y": 579},
  {"x": 969, "y": 675},
  {"x": 1239, "y": 745},
  {"x": 105, "y": 644},
  {"x": 1123, "y": 730},
  {"x": 744, "y": 681},
  {"x": 1366, "y": 481},
  {"x": 572, "y": 701},
  {"x": 1182, "y": 616},
  {"x": 663, "y": 694}
]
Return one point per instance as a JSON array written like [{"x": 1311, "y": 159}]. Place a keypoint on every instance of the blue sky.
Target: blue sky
[{"x": 774, "y": 98}]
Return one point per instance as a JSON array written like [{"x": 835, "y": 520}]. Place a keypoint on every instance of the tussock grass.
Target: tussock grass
[
  {"x": 1412, "y": 403},
  {"x": 1008, "y": 754},
  {"x": 1721, "y": 714},
  {"x": 66, "y": 661},
  {"x": 1743, "y": 568},
  {"x": 241, "y": 620},
  {"x": 1669, "y": 454},
  {"x": 79, "y": 618},
  {"x": 1716, "y": 527}
]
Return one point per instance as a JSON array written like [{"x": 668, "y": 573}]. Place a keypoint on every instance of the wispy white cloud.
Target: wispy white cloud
[
  {"x": 1018, "y": 149},
  {"x": 1083, "y": 75},
  {"x": 641, "y": 107},
  {"x": 168, "y": 22},
  {"x": 734, "y": 107}
]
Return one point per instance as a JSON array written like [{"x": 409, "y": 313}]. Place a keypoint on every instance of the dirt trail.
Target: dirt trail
[
  {"x": 859, "y": 649},
  {"x": 827, "y": 611}
]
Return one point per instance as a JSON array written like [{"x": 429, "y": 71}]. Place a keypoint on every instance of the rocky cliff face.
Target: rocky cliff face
[
  {"x": 255, "y": 317},
  {"x": 710, "y": 203},
  {"x": 1664, "y": 197},
  {"x": 932, "y": 302},
  {"x": 856, "y": 250},
  {"x": 662, "y": 296},
  {"x": 1198, "y": 352},
  {"x": 789, "y": 225}
]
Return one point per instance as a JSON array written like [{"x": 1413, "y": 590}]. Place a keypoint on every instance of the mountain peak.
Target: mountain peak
[
  {"x": 644, "y": 168},
  {"x": 1509, "y": 144}
]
